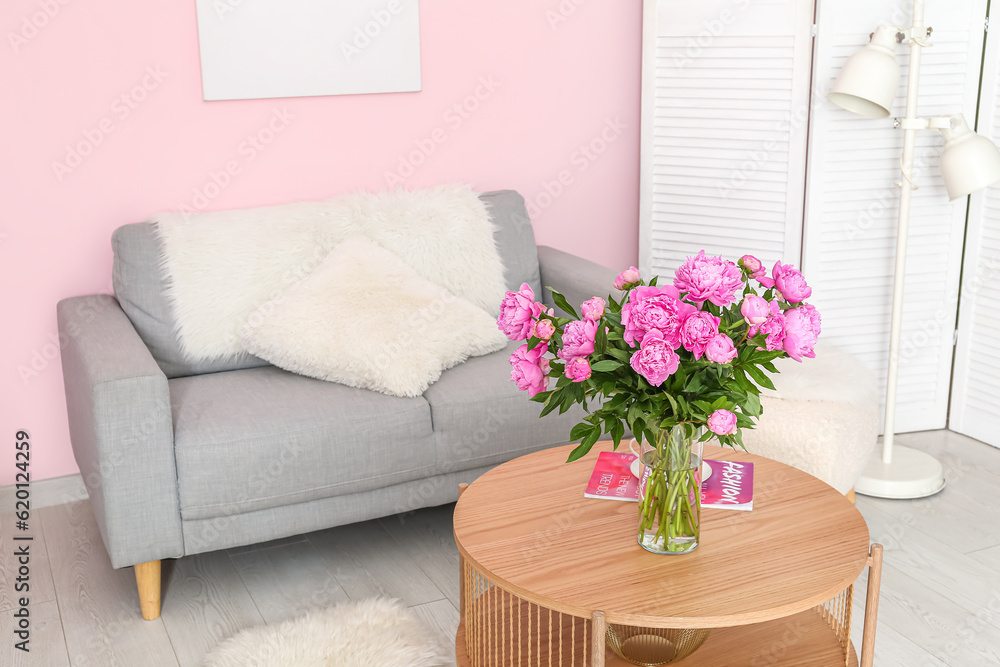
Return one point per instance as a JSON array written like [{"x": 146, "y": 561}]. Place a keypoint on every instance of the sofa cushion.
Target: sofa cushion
[
  {"x": 263, "y": 437},
  {"x": 139, "y": 282},
  {"x": 481, "y": 418},
  {"x": 366, "y": 319}
]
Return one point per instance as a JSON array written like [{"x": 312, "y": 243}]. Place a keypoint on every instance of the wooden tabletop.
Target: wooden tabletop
[{"x": 527, "y": 526}]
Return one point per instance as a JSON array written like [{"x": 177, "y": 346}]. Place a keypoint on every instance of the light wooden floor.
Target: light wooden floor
[{"x": 940, "y": 601}]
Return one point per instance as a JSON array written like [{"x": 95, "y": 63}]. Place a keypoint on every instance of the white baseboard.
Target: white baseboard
[{"x": 47, "y": 492}]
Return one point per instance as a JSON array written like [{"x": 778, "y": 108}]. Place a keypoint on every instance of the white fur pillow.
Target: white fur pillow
[{"x": 364, "y": 318}]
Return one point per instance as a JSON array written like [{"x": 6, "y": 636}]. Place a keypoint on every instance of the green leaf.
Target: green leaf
[
  {"x": 617, "y": 431},
  {"x": 600, "y": 340},
  {"x": 741, "y": 379},
  {"x": 580, "y": 431},
  {"x": 752, "y": 406},
  {"x": 581, "y": 450},
  {"x": 759, "y": 377},
  {"x": 592, "y": 438},
  {"x": 561, "y": 301},
  {"x": 620, "y": 355},
  {"x": 695, "y": 384},
  {"x": 606, "y": 365},
  {"x": 541, "y": 397},
  {"x": 673, "y": 403}
]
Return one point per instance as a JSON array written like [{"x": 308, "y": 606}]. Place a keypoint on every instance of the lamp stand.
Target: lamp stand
[{"x": 902, "y": 472}]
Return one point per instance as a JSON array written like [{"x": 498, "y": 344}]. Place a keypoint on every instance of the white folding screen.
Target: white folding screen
[
  {"x": 725, "y": 105},
  {"x": 975, "y": 409},
  {"x": 851, "y": 202}
]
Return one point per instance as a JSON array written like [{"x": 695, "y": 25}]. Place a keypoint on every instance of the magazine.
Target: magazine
[{"x": 726, "y": 484}]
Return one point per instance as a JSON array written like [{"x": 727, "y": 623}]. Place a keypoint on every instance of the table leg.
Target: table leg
[
  {"x": 871, "y": 605},
  {"x": 599, "y": 627}
]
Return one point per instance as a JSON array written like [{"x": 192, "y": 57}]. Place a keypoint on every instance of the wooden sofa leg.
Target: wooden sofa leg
[
  {"x": 850, "y": 496},
  {"x": 147, "y": 577}
]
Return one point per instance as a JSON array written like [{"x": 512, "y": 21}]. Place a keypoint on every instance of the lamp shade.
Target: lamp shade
[
  {"x": 868, "y": 82},
  {"x": 970, "y": 162}
]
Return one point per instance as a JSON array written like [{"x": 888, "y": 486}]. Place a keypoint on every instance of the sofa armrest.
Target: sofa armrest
[
  {"x": 576, "y": 278},
  {"x": 118, "y": 403}
]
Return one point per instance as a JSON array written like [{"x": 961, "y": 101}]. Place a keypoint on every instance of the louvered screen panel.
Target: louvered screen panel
[
  {"x": 852, "y": 204},
  {"x": 725, "y": 105},
  {"x": 975, "y": 407}
]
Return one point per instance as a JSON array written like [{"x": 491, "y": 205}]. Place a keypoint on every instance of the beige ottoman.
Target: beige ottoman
[{"x": 822, "y": 418}]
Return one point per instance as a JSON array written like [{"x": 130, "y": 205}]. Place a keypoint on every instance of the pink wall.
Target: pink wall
[{"x": 564, "y": 79}]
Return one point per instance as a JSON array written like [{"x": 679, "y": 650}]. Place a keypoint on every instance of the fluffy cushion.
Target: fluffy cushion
[
  {"x": 365, "y": 319},
  {"x": 222, "y": 265},
  {"x": 360, "y": 634}
]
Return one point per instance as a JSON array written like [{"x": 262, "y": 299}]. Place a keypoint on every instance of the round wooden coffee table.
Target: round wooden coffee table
[{"x": 545, "y": 570}]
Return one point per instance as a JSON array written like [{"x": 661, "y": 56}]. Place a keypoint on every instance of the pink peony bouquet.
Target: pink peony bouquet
[{"x": 693, "y": 352}]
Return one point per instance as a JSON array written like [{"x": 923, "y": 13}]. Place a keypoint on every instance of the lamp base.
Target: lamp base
[{"x": 912, "y": 474}]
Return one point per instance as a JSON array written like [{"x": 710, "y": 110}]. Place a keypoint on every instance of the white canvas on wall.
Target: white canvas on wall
[{"x": 292, "y": 48}]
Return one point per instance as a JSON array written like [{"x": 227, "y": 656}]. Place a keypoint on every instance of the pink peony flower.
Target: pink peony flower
[
  {"x": 530, "y": 368},
  {"x": 518, "y": 312},
  {"x": 709, "y": 279},
  {"x": 655, "y": 360},
  {"x": 773, "y": 327},
  {"x": 802, "y": 328},
  {"x": 578, "y": 369},
  {"x": 720, "y": 350},
  {"x": 654, "y": 309},
  {"x": 593, "y": 309},
  {"x": 627, "y": 278},
  {"x": 755, "y": 309},
  {"x": 544, "y": 329},
  {"x": 790, "y": 283},
  {"x": 578, "y": 339},
  {"x": 722, "y": 422},
  {"x": 696, "y": 332},
  {"x": 752, "y": 265}
]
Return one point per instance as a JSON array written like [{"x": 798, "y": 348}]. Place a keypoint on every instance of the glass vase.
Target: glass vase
[{"x": 670, "y": 492}]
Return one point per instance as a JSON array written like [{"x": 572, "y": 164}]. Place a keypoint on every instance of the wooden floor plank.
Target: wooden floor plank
[
  {"x": 965, "y": 580},
  {"x": 204, "y": 602},
  {"x": 39, "y": 582},
  {"x": 441, "y": 618},
  {"x": 99, "y": 606},
  {"x": 942, "y": 627},
  {"x": 46, "y": 645},
  {"x": 427, "y": 537},
  {"x": 288, "y": 580},
  {"x": 356, "y": 554}
]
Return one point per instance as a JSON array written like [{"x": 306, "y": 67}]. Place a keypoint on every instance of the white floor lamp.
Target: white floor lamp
[{"x": 867, "y": 85}]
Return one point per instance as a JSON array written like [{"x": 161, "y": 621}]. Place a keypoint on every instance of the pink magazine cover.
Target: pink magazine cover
[
  {"x": 726, "y": 484},
  {"x": 612, "y": 478}
]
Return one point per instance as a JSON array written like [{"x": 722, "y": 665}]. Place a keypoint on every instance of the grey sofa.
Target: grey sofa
[{"x": 182, "y": 458}]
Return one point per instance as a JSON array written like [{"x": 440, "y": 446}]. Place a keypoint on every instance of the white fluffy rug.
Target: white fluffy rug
[
  {"x": 222, "y": 265},
  {"x": 376, "y": 632}
]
